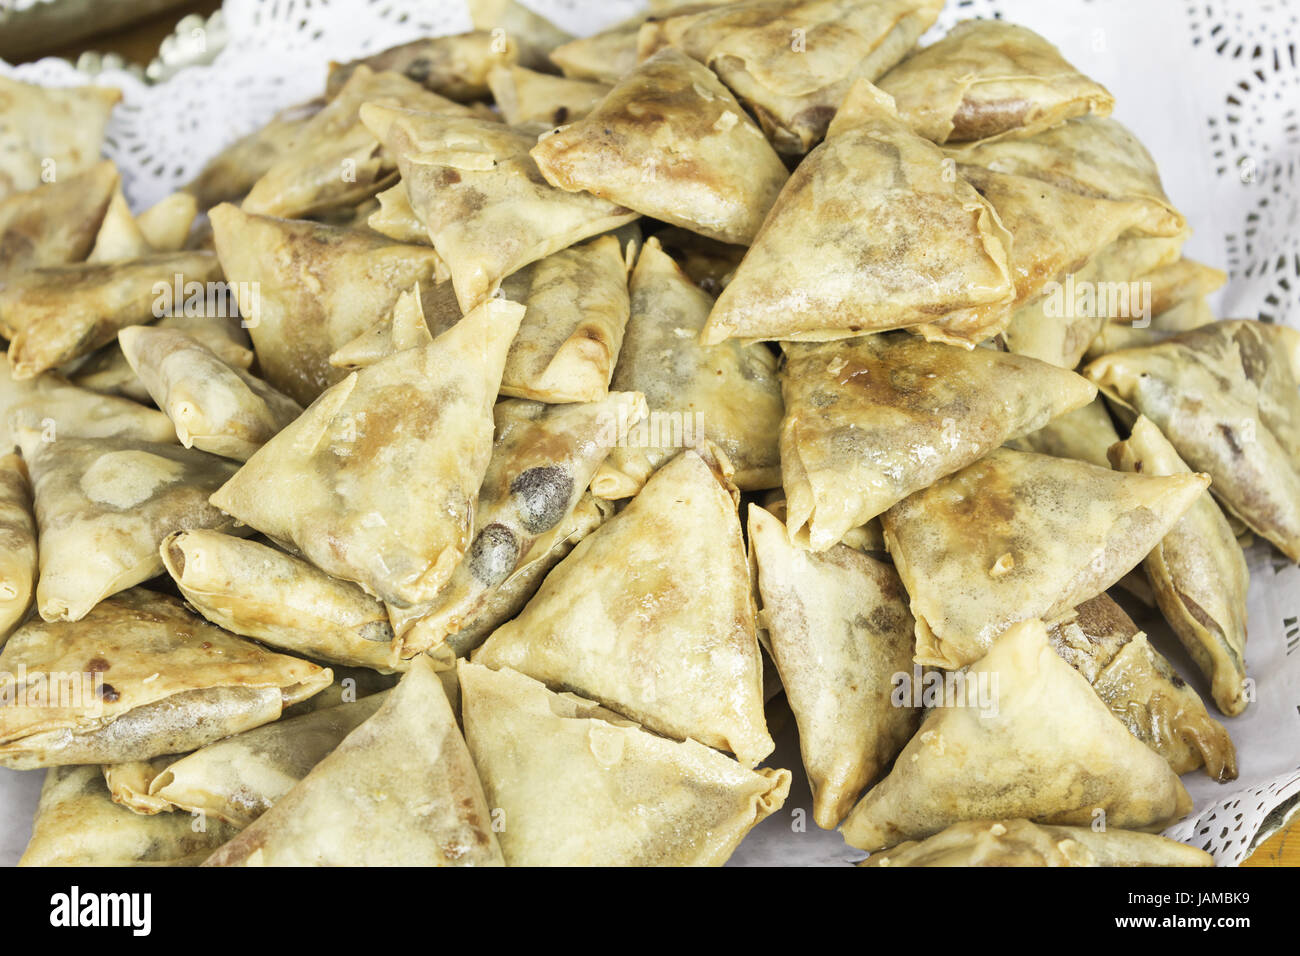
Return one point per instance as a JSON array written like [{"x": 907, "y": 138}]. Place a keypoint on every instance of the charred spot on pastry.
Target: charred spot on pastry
[
  {"x": 378, "y": 631},
  {"x": 419, "y": 68},
  {"x": 494, "y": 554},
  {"x": 543, "y": 494},
  {"x": 1231, "y": 438}
]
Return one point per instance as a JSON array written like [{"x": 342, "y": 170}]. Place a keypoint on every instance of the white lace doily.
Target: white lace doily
[{"x": 1211, "y": 86}]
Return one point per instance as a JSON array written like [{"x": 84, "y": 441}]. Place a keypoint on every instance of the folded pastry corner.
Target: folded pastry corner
[{"x": 577, "y": 308}]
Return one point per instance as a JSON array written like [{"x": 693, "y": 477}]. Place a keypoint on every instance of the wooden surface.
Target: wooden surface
[{"x": 139, "y": 44}]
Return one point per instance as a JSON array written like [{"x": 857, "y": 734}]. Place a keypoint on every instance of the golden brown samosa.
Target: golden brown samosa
[
  {"x": 214, "y": 406},
  {"x": 827, "y": 263},
  {"x": 988, "y": 78},
  {"x": 1019, "y": 535},
  {"x": 103, "y": 505},
  {"x": 306, "y": 289},
  {"x": 138, "y": 677},
  {"x": 870, "y": 420},
  {"x": 379, "y": 476},
  {"x": 671, "y": 142},
  {"x": 281, "y": 600},
  {"x": 574, "y": 784},
  {"x": 839, "y": 632},
  {"x": 401, "y": 789},
  {"x": 653, "y": 616},
  {"x": 1047, "y": 750},
  {"x": 1225, "y": 395},
  {"x": 727, "y": 393},
  {"x": 1197, "y": 572},
  {"x": 482, "y": 198},
  {"x": 793, "y": 61},
  {"x": 1023, "y": 843}
]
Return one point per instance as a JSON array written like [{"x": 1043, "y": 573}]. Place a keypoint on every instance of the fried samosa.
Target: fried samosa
[
  {"x": 577, "y": 309},
  {"x": 54, "y": 406},
  {"x": 839, "y": 631},
  {"x": 56, "y": 224},
  {"x": 1197, "y": 572},
  {"x": 456, "y": 67},
  {"x": 78, "y": 824},
  {"x": 56, "y": 315},
  {"x": 792, "y": 61},
  {"x": 338, "y": 162},
  {"x": 543, "y": 459},
  {"x": 380, "y": 475},
  {"x": 577, "y": 785},
  {"x": 1084, "y": 434},
  {"x": 238, "y": 779},
  {"x": 400, "y": 790},
  {"x": 871, "y": 420},
  {"x": 479, "y": 193},
  {"x": 1023, "y": 843},
  {"x": 827, "y": 263},
  {"x": 17, "y": 544},
  {"x": 1225, "y": 395},
  {"x": 215, "y": 407},
  {"x": 1141, "y": 688},
  {"x": 278, "y": 599},
  {"x": 50, "y": 133},
  {"x": 103, "y": 505},
  {"x": 1050, "y": 751},
  {"x": 1019, "y": 535},
  {"x": 231, "y": 173},
  {"x": 525, "y": 96},
  {"x": 671, "y": 142},
  {"x": 306, "y": 289},
  {"x": 653, "y": 616},
  {"x": 138, "y": 677},
  {"x": 727, "y": 393},
  {"x": 989, "y": 78}
]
